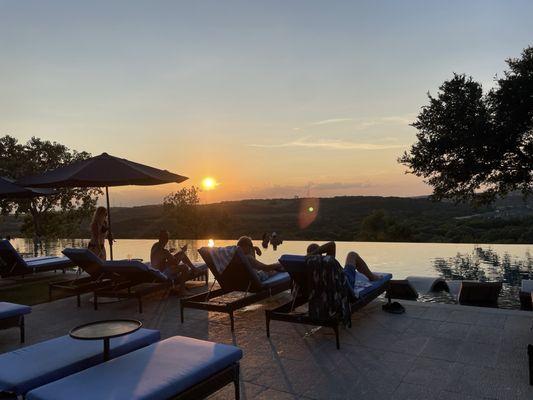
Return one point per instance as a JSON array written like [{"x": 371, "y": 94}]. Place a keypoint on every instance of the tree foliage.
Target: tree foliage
[
  {"x": 473, "y": 146},
  {"x": 181, "y": 208},
  {"x": 57, "y": 215}
]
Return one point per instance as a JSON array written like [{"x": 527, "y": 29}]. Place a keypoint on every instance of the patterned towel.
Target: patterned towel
[{"x": 222, "y": 256}]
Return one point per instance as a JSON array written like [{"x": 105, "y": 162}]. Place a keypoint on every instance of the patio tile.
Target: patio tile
[
  {"x": 432, "y": 351},
  {"x": 481, "y": 354},
  {"x": 441, "y": 348},
  {"x": 485, "y": 334},
  {"x": 453, "y": 330},
  {"x": 431, "y": 373}
]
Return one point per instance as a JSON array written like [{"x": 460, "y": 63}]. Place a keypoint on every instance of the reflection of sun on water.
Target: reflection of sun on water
[{"x": 211, "y": 243}]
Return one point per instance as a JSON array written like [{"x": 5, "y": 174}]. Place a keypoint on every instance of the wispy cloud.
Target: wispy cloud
[
  {"x": 331, "y": 144},
  {"x": 363, "y": 123},
  {"x": 331, "y": 121}
]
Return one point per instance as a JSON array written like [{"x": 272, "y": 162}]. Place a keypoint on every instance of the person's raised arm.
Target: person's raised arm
[{"x": 329, "y": 248}]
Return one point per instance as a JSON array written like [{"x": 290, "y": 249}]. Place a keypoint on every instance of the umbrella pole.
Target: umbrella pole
[{"x": 109, "y": 221}]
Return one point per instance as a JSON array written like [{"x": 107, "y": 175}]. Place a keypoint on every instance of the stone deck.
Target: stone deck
[{"x": 433, "y": 351}]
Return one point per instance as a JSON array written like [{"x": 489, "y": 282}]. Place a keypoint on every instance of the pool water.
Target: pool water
[{"x": 485, "y": 262}]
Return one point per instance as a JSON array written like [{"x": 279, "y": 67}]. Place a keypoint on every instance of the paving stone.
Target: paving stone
[
  {"x": 441, "y": 348},
  {"x": 481, "y": 354},
  {"x": 430, "y": 372},
  {"x": 410, "y": 391},
  {"x": 433, "y": 351},
  {"x": 485, "y": 334},
  {"x": 453, "y": 330}
]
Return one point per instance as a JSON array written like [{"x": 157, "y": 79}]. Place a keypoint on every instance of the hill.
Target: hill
[{"x": 338, "y": 218}]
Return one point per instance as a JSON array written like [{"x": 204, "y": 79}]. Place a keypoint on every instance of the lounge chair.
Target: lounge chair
[
  {"x": 480, "y": 294},
  {"x": 174, "y": 368},
  {"x": 12, "y": 264},
  {"x": 12, "y": 315},
  {"x": 300, "y": 272},
  {"x": 526, "y": 291},
  {"x": 233, "y": 271},
  {"x": 90, "y": 264},
  {"x": 30, "y": 367},
  {"x": 134, "y": 279}
]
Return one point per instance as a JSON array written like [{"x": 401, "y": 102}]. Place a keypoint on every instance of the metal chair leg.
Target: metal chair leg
[{"x": 22, "y": 330}]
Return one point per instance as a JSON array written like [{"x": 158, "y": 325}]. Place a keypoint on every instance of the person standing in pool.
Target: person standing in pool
[{"x": 99, "y": 233}]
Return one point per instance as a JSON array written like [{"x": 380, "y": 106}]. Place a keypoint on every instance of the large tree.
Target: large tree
[
  {"x": 473, "y": 146},
  {"x": 182, "y": 209},
  {"x": 58, "y": 215}
]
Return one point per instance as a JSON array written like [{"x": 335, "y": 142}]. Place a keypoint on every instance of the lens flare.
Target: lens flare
[
  {"x": 308, "y": 212},
  {"x": 211, "y": 243}
]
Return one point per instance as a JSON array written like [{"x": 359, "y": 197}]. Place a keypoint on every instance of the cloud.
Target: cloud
[
  {"x": 311, "y": 189},
  {"x": 331, "y": 121},
  {"x": 331, "y": 144}
]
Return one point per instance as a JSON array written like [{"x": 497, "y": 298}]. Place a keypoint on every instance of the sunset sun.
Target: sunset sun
[{"x": 209, "y": 183}]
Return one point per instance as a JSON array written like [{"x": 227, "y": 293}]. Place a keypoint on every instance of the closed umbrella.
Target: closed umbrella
[{"x": 102, "y": 171}]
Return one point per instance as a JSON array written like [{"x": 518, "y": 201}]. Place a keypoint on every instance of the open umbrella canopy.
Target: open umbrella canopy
[
  {"x": 101, "y": 171},
  {"x": 10, "y": 190}
]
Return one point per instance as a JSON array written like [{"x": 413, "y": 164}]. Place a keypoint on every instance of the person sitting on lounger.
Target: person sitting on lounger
[
  {"x": 264, "y": 271},
  {"x": 174, "y": 266},
  {"x": 353, "y": 260}
]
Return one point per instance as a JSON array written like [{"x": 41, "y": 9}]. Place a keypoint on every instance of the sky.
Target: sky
[{"x": 270, "y": 98}]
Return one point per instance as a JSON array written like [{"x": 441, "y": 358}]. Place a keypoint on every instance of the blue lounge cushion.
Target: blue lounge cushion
[
  {"x": 50, "y": 262},
  {"x": 158, "y": 371},
  {"x": 8, "y": 310},
  {"x": 36, "y": 365},
  {"x": 15, "y": 263},
  {"x": 127, "y": 268},
  {"x": 360, "y": 291},
  {"x": 277, "y": 279}
]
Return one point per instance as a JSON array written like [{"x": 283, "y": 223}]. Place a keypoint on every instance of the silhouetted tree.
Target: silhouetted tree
[
  {"x": 182, "y": 207},
  {"x": 473, "y": 146},
  {"x": 57, "y": 215}
]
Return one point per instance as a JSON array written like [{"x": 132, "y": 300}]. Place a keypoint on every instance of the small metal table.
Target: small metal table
[{"x": 105, "y": 330}]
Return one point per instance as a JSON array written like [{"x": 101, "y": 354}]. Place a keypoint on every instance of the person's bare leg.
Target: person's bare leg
[{"x": 360, "y": 265}]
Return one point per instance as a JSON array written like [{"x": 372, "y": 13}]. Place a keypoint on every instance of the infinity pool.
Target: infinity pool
[{"x": 487, "y": 262}]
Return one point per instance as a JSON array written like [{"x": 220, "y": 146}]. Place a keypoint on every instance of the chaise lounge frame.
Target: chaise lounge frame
[
  {"x": 236, "y": 278},
  {"x": 212, "y": 384},
  {"x": 139, "y": 286},
  {"x": 16, "y": 321},
  {"x": 286, "y": 311}
]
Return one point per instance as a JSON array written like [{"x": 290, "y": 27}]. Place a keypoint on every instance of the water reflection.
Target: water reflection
[{"x": 485, "y": 264}]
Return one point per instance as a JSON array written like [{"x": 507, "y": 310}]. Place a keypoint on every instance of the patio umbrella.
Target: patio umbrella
[
  {"x": 102, "y": 171},
  {"x": 10, "y": 190}
]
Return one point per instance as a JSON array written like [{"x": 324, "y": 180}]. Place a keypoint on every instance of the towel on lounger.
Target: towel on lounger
[{"x": 222, "y": 256}]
